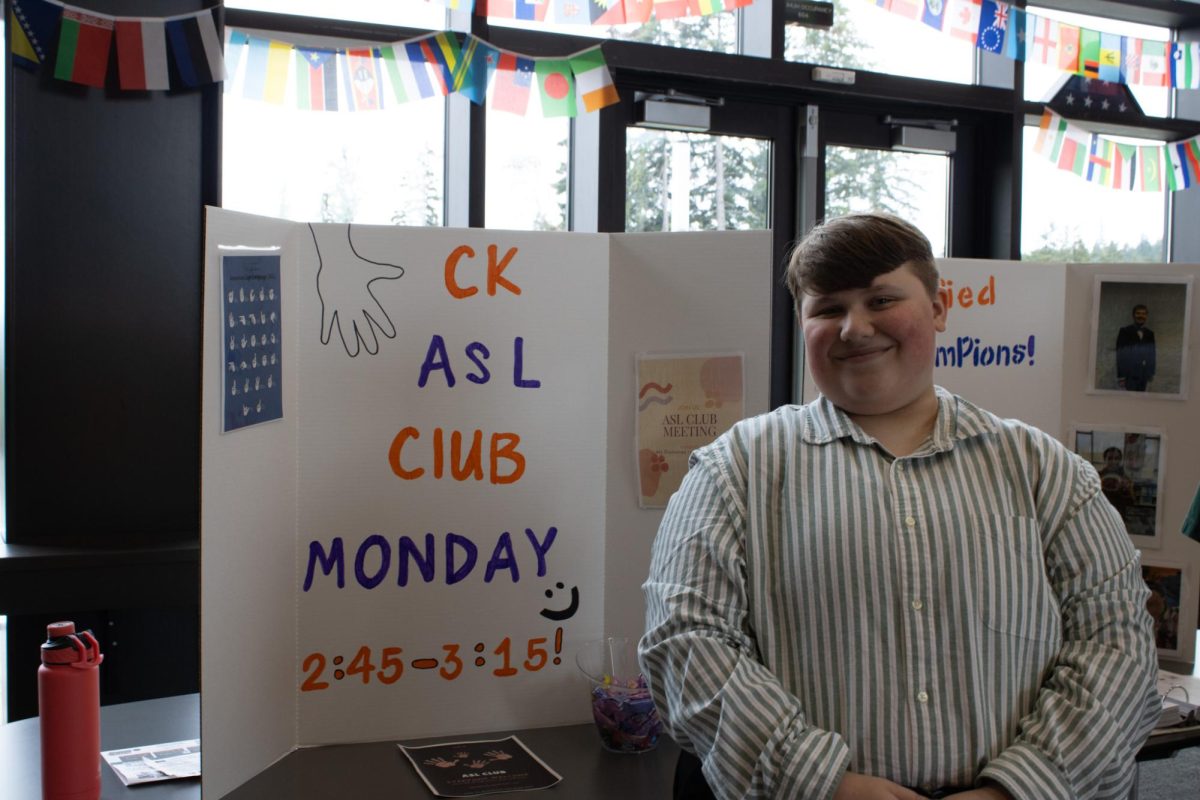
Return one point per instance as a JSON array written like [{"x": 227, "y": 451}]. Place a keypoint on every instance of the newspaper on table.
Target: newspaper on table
[{"x": 155, "y": 762}]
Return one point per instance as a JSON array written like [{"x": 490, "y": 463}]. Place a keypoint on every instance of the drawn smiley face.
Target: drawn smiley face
[{"x": 566, "y": 613}]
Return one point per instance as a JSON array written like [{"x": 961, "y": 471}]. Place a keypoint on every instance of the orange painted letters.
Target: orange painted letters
[
  {"x": 495, "y": 272},
  {"x": 502, "y": 448}
]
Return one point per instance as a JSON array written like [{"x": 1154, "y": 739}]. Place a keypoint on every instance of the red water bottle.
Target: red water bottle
[{"x": 69, "y": 707}]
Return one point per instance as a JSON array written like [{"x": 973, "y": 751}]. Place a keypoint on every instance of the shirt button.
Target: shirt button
[
  {"x": 917, "y": 605},
  {"x": 910, "y": 522},
  {"x": 899, "y": 466},
  {"x": 922, "y": 697}
]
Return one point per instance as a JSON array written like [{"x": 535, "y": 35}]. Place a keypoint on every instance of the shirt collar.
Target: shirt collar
[{"x": 957, "y": 419}]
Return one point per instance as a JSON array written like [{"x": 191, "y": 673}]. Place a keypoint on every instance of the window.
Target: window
[
  {"x": 715, "y": 33},
  {"x": 431, "y": 15},
  {"x": 527, "y": 159},
  {"x": 914, "y": 186},
  {"x": 866, "y": 37},
  {"x": 381, "y": 167},
  {"x": 1042, "y": 80},
  {"x": 1065, "y": 218},
  {"x": 679, "y": 181}
]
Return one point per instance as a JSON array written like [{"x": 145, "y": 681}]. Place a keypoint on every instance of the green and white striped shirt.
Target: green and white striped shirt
[{"x": 972, "y": 611}]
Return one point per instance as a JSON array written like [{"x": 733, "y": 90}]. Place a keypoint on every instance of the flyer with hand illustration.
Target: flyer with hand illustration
[{"x": 485, "y": 766}]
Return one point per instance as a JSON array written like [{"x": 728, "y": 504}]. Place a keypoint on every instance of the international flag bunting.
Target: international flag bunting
[
  {"x": 1089, "y": 53},
  {"x": 1111, "y": 47},
  {"x": 513, "y": 84},
  {"x": 1131, "y": 60},
  {"x": 1124, "y": 166},
  {"x": 142, "y": 54},
  {"x": 1100, "y": 161},
  {"x": 316, "y": 79},
  {"x": 911, "y": 9},
  {"x": 79, "y": 44},
  {"x": 638, "y": 10},
  {"x": 1154, "y": 64},
  {"x": 235, "y": 47},
  {"x": 374, "y": 77},
  {"x": 593, "y": 83},
  {"x": 619, "y": 12},
  {"x": 612, "y": 12},
  {"x": 441, "y": 53},
  {"x": 1050, "y": 133},
  {"x": 1150, "y": 168},
  {"x": 418, "y": 76},
  {"x": 556, "y": 85},
  {"x": 934, "y": 13},
  {"x": 1106, "y": 162},
  {"x": 1185, "y": 65},
  {"x": 361, "y": 80},
  {"x": 83, "y": 45},
  {"x": 197, "y": 49},
  {"x": 274, "y": 83},
  {"x": 1044, "y": 44},
  {"x": 34, "y": 31},
  {"x": 1073, "y": 152},
  {"x": 1184, "y": 160},
  {"x": 962, "y": 19},
  {"x": 1002, "y": 28},
  {"x": 993, "y": 26},
  {"x": 478, "y": 64}
]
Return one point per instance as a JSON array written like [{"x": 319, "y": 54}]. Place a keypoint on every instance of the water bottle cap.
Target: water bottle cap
[
  {"x": 62, "y": 646},
  {"x": 56, "y": 629}
]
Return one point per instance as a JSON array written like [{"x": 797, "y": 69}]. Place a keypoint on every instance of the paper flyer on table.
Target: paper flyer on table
[
  {"x": 155, "y": 762},
  {"x": 483, "y": 766}
]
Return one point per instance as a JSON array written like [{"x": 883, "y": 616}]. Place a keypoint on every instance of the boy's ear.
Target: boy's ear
[{"x": 940, "y": 312}]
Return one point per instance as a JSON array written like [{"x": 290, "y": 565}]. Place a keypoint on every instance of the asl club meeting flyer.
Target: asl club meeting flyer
[
  {"x": 683, "y": 402},
  {"x": 485, "y": 766}
]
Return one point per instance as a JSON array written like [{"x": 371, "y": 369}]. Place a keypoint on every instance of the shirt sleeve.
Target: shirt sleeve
[
  {"x": 701, "y": 659},
  {"x": 1099, "y": 700}
]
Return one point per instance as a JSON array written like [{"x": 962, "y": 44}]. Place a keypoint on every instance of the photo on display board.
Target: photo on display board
[
  {"x": 1139, "y": 336},
  {"x": 1168, "y": 584},
  {"x": 1130, "y": 463}
]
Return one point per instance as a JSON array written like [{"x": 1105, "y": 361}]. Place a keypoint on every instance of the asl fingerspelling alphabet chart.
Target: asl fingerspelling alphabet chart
[{"x": 250, "y": 298}]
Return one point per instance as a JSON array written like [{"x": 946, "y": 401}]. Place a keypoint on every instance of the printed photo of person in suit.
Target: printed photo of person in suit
[{"x": 1135, "y": 352}]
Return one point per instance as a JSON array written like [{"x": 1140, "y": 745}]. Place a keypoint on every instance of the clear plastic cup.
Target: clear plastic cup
[{"x": 621, "y": 706}]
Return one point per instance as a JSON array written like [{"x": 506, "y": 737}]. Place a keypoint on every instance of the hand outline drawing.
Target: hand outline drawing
[{"x": 348, "y": 304}]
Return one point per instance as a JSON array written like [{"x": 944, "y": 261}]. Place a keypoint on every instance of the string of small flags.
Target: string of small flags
[
  {"x": 596, "y": 12},
  {"x": 77, "y": 43},
  {"x": 1006, "y": 30},
  {"x": 361, "y": 77},
  {"x": 1138, "y": 168}
]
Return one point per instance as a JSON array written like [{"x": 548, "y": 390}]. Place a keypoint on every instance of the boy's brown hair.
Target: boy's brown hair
[{"x": 850, "y": 252}]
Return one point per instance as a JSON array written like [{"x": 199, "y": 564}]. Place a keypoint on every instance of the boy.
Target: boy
[{"x": 889, "y": 592}]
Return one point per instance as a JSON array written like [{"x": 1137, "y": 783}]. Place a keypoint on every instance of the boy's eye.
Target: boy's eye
[
  {"x": 882, "y": 300},
  {"x": 826, "y": 311}
]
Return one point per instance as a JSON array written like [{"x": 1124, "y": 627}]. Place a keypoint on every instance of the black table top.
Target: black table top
[{"x": 360, "y": 771}]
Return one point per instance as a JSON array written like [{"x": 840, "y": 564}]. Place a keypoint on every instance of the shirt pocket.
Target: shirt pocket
[{"x": 1014, "y": 594}]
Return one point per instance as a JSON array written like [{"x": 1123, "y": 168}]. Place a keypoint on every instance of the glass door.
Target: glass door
[
  {"x": 672, "y": 161},
  {"x": 913, "y": 186}
]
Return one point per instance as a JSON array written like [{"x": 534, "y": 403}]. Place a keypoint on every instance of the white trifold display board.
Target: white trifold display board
[{"x": 447, "y": 507}]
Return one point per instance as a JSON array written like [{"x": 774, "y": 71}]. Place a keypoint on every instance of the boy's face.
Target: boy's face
[{"x": 871, "y": 350}]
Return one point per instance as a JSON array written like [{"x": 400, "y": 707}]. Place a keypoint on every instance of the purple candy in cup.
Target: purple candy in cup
[{"x": 622, "y": 708}]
